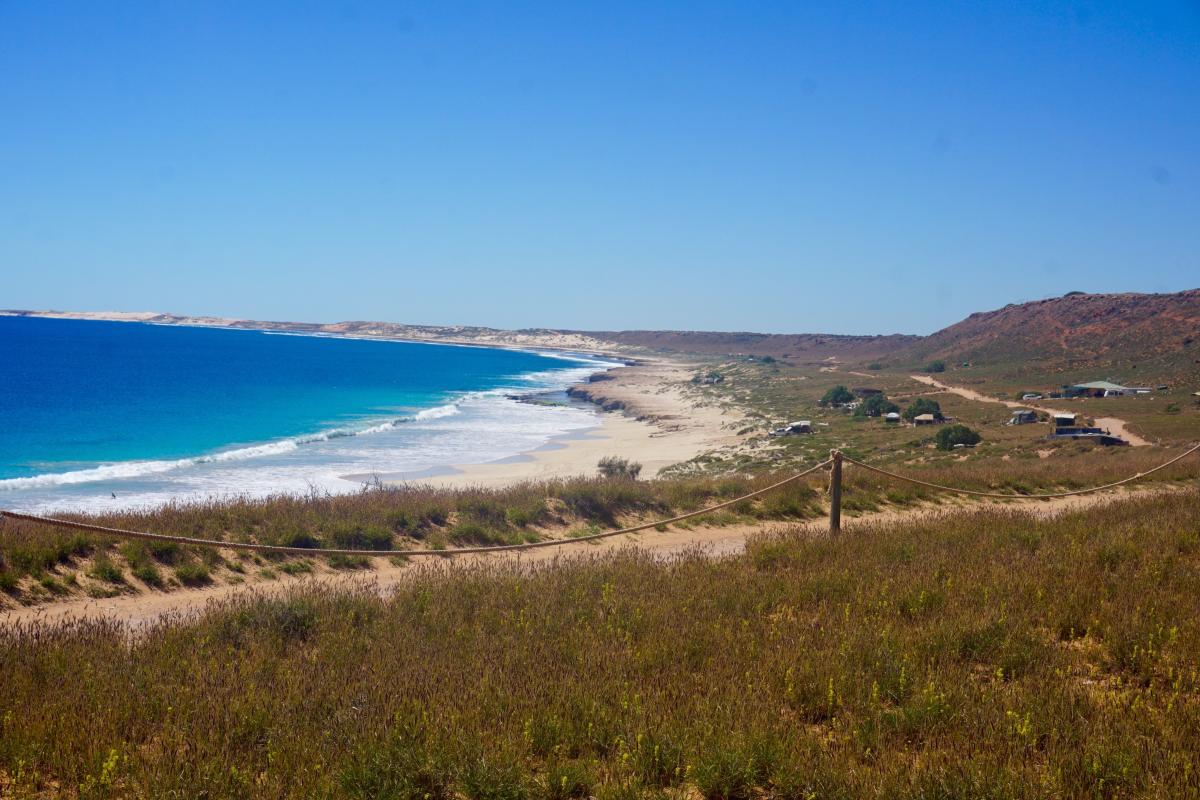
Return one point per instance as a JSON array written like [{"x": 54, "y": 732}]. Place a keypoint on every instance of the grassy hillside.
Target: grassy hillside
[
  {"x": 38, "y": 563},
  {"x": 41, "y": 564},
  {"x": 975, "y": 655}
]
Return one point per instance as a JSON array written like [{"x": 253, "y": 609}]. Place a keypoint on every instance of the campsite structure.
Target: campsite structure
[{"x": 1103, "y": 389}]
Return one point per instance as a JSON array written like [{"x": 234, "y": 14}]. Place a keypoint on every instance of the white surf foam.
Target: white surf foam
[
  {"x": 141, "y": 469},
  {"x": 475, "y": 427},
  {"x": 448, "y": 410}
]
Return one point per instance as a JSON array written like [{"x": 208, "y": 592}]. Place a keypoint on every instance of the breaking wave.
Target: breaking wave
[{"x": 139, "y": 469}]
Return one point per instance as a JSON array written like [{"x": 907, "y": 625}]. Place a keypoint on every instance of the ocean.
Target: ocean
[{"x": 99, "y": 416}]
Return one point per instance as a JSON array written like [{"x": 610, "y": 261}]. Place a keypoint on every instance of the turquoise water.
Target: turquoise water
[{"x": 153, "y": 413}]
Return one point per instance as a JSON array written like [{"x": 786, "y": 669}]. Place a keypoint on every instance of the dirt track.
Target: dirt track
[
  {"x": 138, "y": 610},
  {"x": 1118, "y": 427}
]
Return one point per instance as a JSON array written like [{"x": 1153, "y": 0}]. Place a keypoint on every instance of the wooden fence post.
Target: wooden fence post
[{"x": 835, "y": 494}]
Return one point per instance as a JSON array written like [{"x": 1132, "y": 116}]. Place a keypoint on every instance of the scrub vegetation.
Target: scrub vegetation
[
  {"x": 974, "y": 654},
  {"x": 377, "y": 518},
  {"x": 39, "y": 563},
  {"x": 771, "y": 395}
]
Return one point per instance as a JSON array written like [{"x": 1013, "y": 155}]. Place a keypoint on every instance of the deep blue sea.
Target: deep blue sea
[{"x": 154, "y": 413}]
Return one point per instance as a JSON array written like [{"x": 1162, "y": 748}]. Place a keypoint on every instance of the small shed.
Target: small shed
[
  {"x": 924, "y": 419},
  {"x": 894, "y": 416},
  {"x": 1023, "y": 417},
  {"x": 1063, "y": 420}
]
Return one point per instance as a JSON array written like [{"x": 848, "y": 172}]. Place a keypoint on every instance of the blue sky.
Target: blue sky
[{"x": 848, "y": 168}]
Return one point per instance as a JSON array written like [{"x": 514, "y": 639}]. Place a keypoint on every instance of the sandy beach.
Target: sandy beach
[{"x": 656, "y": 418}]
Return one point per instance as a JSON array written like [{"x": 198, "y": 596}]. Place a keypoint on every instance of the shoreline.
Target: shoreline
[
  {"x": 645, "y": 414},
  {"x": 577, "y": 363},
  {"x": 645, "y": 410},
  {"x": 527, "y": 341}
]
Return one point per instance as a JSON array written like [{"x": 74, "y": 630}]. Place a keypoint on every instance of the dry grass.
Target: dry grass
[
  {"x": 974, "y": 655},
  {"x": 38, "y": 564},
  {"x": 377, "y": 518},
  {"x": 773, "y": 394}
]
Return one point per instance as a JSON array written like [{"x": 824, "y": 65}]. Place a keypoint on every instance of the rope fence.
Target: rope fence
[
  {"x": 311, "y": 551},
  {"x": 1001, "y": 496},
  {"x": 834, "y": 462}
]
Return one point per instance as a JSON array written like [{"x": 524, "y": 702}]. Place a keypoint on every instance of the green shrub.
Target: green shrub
[
  {"x": 8, "y": 582},
  {"x": 472, "y": 533},
  {"x": 793, "y": 501},
  {"x": 616, "y": 467},
  {"x": 922, "y": 405},
  {"x": 876, "y": 405},
  {"x": 103, "y": 569},
  {"x": 296, "y": 538},
  {"x": 486, "y": 511},
  {"x": 298, "y": 567},
  {"x": 952, "y": 435},
  {"x": 149, "y": 574},
  {"x": 586, "y": 501},
  {"x": 936, "y": 366},
  {"x": 167, "y": 553},
  {"x": 417, "y": 517},
  {"x": 686, "y": 495},
  {"x": 360, "y": 536},
  {"x": 52, "y": 585},
  {"x": 47, "y": 553},
  {"x": 837, "y": 396},
  {"x": 525, "y": 514},
  {"x": 193, "y": 574}
]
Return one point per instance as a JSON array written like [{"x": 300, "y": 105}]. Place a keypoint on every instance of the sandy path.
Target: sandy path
[
  {"x": 142, "y": 609},
  {"x": 1117, "y": 427}
]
